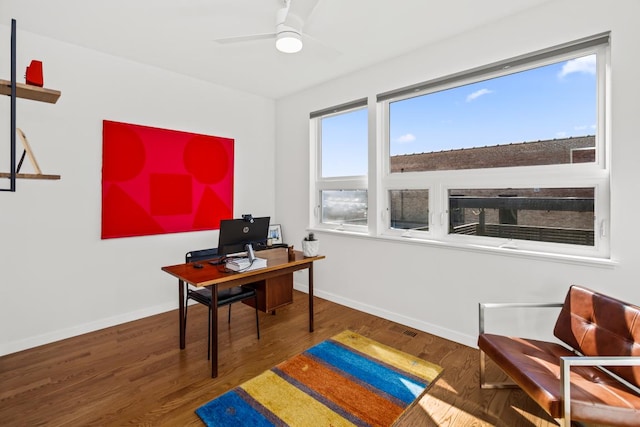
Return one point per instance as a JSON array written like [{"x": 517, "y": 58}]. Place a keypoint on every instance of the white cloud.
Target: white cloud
[
  {"x": 586, "y": 64},
  {"x": 584, "y": 128},
  {"x": 406, "y": 138},
  {"x": 478, "y": 94}
]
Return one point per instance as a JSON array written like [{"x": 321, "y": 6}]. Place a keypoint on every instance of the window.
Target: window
[
  {"x": 409, "y": 209},
  {"x": 559, "y": 215},
  {"x": 537, "y": 116},
  {"x": 344, "y": 144},
  {"x": 344, "y": 207},
  {"x": 509, "y": 153},
  {"x": 512, "y": 154},
  {"x": 341, "y": 134}
]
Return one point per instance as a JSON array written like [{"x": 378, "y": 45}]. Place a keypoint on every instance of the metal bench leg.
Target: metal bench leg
[{"x": 483, "y": 380}]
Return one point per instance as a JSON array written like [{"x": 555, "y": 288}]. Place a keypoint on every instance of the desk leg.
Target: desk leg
[
  {"x": 181, "y": 304},
  {"x": 214, "y": 332},
  {"x": 311, "y": 297}
]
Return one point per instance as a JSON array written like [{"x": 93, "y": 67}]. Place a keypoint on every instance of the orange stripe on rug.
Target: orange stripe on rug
[{"x": 367, "y": 405}]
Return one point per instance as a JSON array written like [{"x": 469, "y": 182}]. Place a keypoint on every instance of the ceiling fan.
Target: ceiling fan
[{"x": 289, "y": 22}]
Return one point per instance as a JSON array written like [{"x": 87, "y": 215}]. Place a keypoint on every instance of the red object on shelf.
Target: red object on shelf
[{"x": 34, "y": 74}]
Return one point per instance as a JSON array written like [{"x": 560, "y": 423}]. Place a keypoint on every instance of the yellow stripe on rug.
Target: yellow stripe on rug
[
  {"x": 389, "y": 355},
  {"x": 277, "y": 396}
]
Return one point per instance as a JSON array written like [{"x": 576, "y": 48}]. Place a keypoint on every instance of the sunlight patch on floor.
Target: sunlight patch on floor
[{"x": 435, "y": 408}]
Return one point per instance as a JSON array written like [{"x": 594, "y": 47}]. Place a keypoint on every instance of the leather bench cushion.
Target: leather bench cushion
[
  {"x": 598, "y": 325},
  {"x": 535, "y": 366}
]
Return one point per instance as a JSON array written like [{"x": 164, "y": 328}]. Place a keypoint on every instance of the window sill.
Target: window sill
[{"x": 502, "y": 251}]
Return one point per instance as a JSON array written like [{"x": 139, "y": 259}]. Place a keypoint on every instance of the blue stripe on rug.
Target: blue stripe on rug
[
  {"x": 420, "y": 381},
  {"x": 231, "y": 409},
  {"x": 389, "y": 381}
]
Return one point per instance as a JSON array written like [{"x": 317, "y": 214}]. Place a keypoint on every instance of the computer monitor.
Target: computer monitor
[{"x": 236, "y": 233}]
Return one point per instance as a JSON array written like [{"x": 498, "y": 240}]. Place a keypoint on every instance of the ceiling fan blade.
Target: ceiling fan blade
[
  {"x": 319, "y": 48},
  {"x": 240, "y": 39}
]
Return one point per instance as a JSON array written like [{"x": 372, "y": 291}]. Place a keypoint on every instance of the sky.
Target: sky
[{"x": 554, "y": 101}]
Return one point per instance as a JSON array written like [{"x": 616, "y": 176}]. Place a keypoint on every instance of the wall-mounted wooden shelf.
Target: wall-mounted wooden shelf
[
  {"x": 30, "y": 176},
  {"x": 14, "y": 90},
  {"x": 35, "y": 93}
]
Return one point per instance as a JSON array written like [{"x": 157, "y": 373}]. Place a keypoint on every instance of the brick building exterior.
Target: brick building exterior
[
  {"x": 547, "y": 152},
  {"x": 564, "y": 214}
]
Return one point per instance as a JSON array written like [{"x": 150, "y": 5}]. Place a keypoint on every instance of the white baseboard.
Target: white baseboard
[
  {"x": 31, "y": 342},
  {"x": 470, "y": 341}
]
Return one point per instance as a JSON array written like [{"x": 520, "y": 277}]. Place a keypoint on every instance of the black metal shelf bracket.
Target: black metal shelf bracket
[{"x": 13, "y": 172}]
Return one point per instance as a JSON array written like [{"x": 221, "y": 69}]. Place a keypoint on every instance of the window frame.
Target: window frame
[
  {"x": 335, "y": 183},
  {"x": 380, "y": 181}
]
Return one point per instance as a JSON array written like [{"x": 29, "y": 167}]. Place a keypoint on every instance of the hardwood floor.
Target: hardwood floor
[{"x": 135, "y": 373}]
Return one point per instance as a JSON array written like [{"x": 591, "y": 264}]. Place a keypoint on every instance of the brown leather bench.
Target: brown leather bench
[{"x": 601, "y": 337}]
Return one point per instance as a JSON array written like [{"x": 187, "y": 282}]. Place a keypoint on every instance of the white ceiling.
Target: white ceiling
[{"x": 179, "y": 35}]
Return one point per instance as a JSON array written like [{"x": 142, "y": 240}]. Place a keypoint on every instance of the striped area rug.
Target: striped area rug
[{"x": 343, "y": 381}]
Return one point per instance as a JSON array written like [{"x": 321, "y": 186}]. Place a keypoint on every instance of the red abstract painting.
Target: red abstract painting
[{"x": 157, "y": 181}]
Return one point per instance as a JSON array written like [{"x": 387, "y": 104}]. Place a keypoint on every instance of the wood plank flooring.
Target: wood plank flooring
[{"x": 135, "y": 373}]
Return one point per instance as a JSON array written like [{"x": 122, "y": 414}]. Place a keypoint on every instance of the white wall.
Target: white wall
[
  {"x": 57, "y": 277},
  {"x": 50, "y": 230},
  {"x": 435, "y": 288}
]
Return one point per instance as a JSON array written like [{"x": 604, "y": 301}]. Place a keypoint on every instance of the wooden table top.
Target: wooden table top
[{"x": 277, "y": 263}]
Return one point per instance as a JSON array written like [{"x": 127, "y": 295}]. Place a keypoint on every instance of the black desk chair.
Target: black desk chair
[{"x": 225, "y": 296}]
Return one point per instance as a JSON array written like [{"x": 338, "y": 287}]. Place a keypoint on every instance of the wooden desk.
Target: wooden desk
[{"x": 278, "y": 265}]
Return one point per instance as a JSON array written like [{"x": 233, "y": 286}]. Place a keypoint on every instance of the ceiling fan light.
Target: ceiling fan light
[{"x": 289, "y": 42}]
